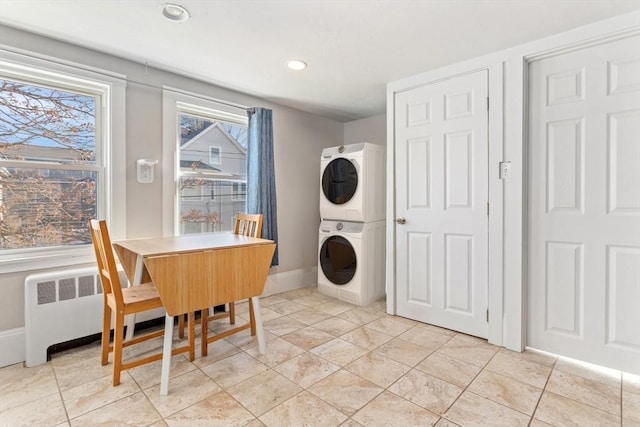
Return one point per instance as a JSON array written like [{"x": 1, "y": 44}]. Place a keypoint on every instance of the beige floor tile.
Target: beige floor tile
[
  {"x": 234, "y": 369},
  {"x": 447, "y": 368},
  {"x": 303, "y": 410},
  {"x": 366, "y": 338},
  {"x": 308, "y": 338},
  {"x": 339, "y": 351},
  {"x": 255, "y": 423},
  {"x": 309, "y": 316},
  {"x": 424, "y": 337},
  {"x": 471, "y": 410},
  {"x": 283, "y": 325},
  {"x": 278, "y": 351},
  {"x": 160, "y": 423},
  {"x": 359, "y": 316},
  {"x": 631, "y": 382},
  {"x": 306, "y": 369},
  {"x": 81, "y": 372},
  {"x": 287, "y": 307},
  {"x": 474, "y": 352},
  {"x": 97, "y": 393},
  {"x": 403, "y": 351},
  {"x": 630, "y": 423},
  {"x": 135, "y": 409},
  {"x": 560, "y": 411},
  {"x": 377, "y": 307},
  {"x": 588, "y": 371},
  {"x": 520, "y": 368},
  {"x": 446, "y": 423},
  {"x": 264, "y": 391},
  {"x": 272, "y": 300},
  {"x": 506, "y": 391},
  {"x": 216, "y": 351},
  {"x": 631, "y": 406},
  {"x": 219, "y": 410},
  {"x": 20, "y": 385},
  {"x": 351, "y": 423},
  {"x": 245, "y": 341},
  {"x": 345, "y": 391},
  {"x": 530, "y": 355},
  {"x": 334, "y": 307},
  {"x": 424, "y": 390},
  {"x": 538, "y": 423},
  {"x": 387, "y": 409},
  {"x": 313, "y": 299},
  {"x": 184, "y": 391},
  {"x": 389, "y": 325},
  {"x": 436, "y": 329},
  {"x": 378, "y": 369},
  {"x": 587, "y": 391},
  {"x": 75, "y": 355},
  {"x": 336, "y": 326},
  {"x": 149, "y": 375},
  {"x": 296, "y": 294},
  {"x": 46, "y": 411}
]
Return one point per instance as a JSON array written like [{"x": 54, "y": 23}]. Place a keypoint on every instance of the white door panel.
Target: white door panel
[
  {"x": 584, "y": 204},
  {"x": 442, "y": 192}
]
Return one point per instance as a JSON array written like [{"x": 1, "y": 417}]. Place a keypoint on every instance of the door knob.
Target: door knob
[{"x": 401, "y": 220}]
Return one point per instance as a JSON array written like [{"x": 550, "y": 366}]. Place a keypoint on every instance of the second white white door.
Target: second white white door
[{"x": 441, "y": 154}]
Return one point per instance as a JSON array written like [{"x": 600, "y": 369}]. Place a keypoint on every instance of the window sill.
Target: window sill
[{"x": 37, "y": 261}]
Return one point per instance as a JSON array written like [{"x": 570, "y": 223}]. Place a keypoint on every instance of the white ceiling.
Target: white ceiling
[{"x": 353, "y": 47}]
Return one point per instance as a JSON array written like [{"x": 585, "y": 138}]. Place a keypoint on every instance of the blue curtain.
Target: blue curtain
[{"x": 261, "y": 176}]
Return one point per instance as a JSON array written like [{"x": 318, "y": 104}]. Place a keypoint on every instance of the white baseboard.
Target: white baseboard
[
  {"x": 12, "y": 345},
  {"x": 290, "y": 280}
]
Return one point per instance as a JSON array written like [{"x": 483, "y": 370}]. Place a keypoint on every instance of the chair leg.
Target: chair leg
[
  {"x": 118, "y": 338},
  {"x": 252, "y": 317},
  {"x": 181, "y": 326},
  {"x": 204, "y": 328},
  {"x": 191, "y": 319},
  {"x": 106, "y": 329},
  {"x": 232, "y": 313}
]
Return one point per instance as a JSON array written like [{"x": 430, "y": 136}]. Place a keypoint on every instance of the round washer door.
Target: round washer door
[
  {"x": 338, "y": 260},
  {"x": 339, "y": 181}
]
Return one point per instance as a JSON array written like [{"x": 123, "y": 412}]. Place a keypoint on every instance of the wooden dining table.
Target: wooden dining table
[{"x": 196, "y": 271}]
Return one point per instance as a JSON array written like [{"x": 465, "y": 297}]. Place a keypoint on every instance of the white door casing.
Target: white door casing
[
  {"x": 584, "y": 204},
  {"x": 441, "y": 154}
]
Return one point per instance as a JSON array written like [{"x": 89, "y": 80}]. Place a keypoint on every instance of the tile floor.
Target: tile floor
[{"x": 328, "y": 363}]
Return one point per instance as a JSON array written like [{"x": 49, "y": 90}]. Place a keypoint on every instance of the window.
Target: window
[
  {"x": 214, "y": 155},
  {"x": 211, "y": 167},
  {"x": 55, "y": 158}
]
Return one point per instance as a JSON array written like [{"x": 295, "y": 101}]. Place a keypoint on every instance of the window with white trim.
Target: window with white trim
[
  {"x": 211, "y": 164},
  {"x": 55, "y": 159}
]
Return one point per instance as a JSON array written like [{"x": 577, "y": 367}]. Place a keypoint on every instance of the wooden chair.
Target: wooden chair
[
  {"x": 124, "y": 301},
  {"x": 246, "y": 225}
]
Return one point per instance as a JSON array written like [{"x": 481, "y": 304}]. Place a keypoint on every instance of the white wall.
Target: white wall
[
  {"x": 372, "y": 129},
  {"x": 299, "y": 140}
]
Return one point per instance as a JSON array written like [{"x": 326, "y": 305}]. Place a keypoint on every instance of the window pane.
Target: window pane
[
  {"x": 38, "y": 123},
  {"x": 213, "y": 169},
  {"x": 46, "y": 207}
]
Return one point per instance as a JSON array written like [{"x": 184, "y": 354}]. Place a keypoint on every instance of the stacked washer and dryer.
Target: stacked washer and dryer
[{"x": 351, "y": 260}]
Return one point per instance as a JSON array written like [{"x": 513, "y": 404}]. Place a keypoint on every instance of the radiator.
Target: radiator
[{"x": 62, "y": 306}]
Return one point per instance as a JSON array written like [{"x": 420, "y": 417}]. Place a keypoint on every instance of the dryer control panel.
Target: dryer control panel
[{"x": 341, "y": 226}]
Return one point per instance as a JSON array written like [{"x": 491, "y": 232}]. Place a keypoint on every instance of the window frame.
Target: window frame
[
  {"x": 109, "y": 89},
  {"x": 218, "y": 158},
  {"x": 175, "y": 102}
]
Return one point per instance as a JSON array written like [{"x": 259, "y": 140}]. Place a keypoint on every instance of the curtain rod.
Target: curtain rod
[{"x": 119, "y": 76}]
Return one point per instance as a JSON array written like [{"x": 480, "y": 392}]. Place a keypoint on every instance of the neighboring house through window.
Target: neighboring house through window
[
  {"x": 56, "y": 160},
  {"x": 214, "y": 156}
]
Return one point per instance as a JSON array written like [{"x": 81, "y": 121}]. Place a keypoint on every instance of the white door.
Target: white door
[
  {"x": 584, "y": 204},
  {"x": 441, "y": 154}
]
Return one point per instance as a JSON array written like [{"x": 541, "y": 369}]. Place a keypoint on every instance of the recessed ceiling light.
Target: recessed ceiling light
[
  {"x": 174, "y": 12},
  {"x": 296, "y": 64}
]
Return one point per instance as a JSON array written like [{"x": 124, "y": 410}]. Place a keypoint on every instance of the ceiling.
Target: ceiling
[{"x": 353, "y": 47}]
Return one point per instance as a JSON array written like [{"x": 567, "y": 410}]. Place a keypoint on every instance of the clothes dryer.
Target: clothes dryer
[
  {"x": 351, "y": 263},
  {"x": 353, "y": 183}
]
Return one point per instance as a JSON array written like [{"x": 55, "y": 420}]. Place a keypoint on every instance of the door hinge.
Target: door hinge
[
  {"x": 487, "y": 103},
  {"x": 487, "y": 314}
]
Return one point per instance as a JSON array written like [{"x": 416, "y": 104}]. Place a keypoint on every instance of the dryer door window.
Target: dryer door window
[
  {"x": 338, "y": 260},
  {"x": 339, "y": 181}
]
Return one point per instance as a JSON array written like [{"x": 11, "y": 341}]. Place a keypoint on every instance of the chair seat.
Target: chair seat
[{"x": 134, "y": 297}]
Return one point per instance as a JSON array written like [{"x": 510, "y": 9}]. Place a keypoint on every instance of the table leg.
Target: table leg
[
  {"x": 166, "y": 355},
  {"x": 137, "y": 279},
  {"x": 259, "y": 330}
]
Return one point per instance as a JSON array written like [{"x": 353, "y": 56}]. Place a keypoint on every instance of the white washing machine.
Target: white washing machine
[
  {"x": 351, "y": 261},
  {"x": 353, "y": 183}
]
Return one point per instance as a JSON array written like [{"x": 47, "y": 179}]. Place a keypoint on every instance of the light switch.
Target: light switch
[{"x": 505, "y": 170}]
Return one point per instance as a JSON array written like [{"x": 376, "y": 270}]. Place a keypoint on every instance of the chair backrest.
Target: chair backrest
[
  {"x": 106, "y": 261},
  {"x": 248, "y": 225}
]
